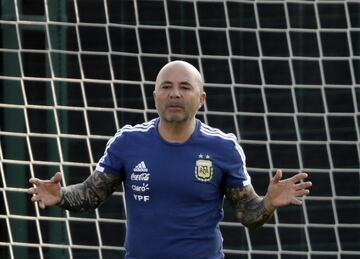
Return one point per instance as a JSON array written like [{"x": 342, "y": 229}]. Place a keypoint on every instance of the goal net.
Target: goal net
[{"x": 282, "y": 75}]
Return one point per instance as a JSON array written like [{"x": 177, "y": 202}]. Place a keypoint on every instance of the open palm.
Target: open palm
[
  {"x": 46, "y": 192},
  {"x": 284, "y": 192}
]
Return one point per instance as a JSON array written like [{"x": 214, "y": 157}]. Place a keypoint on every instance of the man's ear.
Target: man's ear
[{"x": 202, "y": 99}]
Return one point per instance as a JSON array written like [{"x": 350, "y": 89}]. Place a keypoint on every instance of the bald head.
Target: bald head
[
  {"x": 188, "y": 72},
  {"x": 179, "y": 94}
]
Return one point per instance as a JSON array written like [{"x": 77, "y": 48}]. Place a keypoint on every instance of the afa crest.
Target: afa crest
[{"x": 203, "y": 170}]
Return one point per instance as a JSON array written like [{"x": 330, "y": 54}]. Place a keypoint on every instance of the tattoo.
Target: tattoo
[
  {"x": 89, "y": 194},
  {"x": 249, "y": 207}
]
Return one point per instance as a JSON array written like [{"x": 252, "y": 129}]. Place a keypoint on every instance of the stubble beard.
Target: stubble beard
[{"x": 175, "y": 118}]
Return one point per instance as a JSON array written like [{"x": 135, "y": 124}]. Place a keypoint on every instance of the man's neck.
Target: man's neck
[{"x": 176, "y": 132}]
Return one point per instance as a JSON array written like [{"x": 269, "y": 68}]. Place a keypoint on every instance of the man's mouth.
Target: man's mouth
[{"x": 174, "y": 106}]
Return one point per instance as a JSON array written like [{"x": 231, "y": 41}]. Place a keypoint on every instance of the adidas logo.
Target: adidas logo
[{"x": 140, "y": 167}]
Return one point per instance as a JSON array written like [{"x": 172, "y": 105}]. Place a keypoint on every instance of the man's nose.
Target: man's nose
[{"x": 175, "y": 93}]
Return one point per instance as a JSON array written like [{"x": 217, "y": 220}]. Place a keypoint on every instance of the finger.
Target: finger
[
  {"x": 35, "y": 198},
  {"x": 35, "y": 181},
  {"x": 296, "y": 201},
  {"x": 31, "y": 190},
  {"x": 277, "y": 177},
  {"x": 41, "y": 204},
  {"x": 302, "y": 192},
  {"x": 304, "y": 185},
  {"x": 56, "y": 178},
  {"x": 300, "y": 176}
]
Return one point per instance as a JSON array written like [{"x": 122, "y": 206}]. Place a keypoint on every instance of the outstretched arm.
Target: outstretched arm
[
  {"x": 84, "y": 196},
  {"x": 253, "y": 211},
  {"x": 248, "y": 206}
]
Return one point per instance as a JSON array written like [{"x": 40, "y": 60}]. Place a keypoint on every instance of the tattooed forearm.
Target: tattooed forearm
[
  {"x": 249, "y": 207},
  {"x": 89, "y": 194}
]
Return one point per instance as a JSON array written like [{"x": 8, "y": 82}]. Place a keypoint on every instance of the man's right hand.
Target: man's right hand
[{"x": 46, "y": 192}]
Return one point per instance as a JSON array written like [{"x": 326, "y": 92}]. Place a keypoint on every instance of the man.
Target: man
[{"x": 176, "y": 171}]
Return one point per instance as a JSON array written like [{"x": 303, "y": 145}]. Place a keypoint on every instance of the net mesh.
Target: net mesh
[{"x": 282, "y": 75}]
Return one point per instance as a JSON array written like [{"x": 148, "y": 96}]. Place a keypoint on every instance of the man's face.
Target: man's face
[{"x": 178, "y": 93}]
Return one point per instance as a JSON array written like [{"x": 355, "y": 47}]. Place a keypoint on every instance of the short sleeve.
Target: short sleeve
[
  {"x": 236, "y": 174},
  {"x": 111, "y": 161}
]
